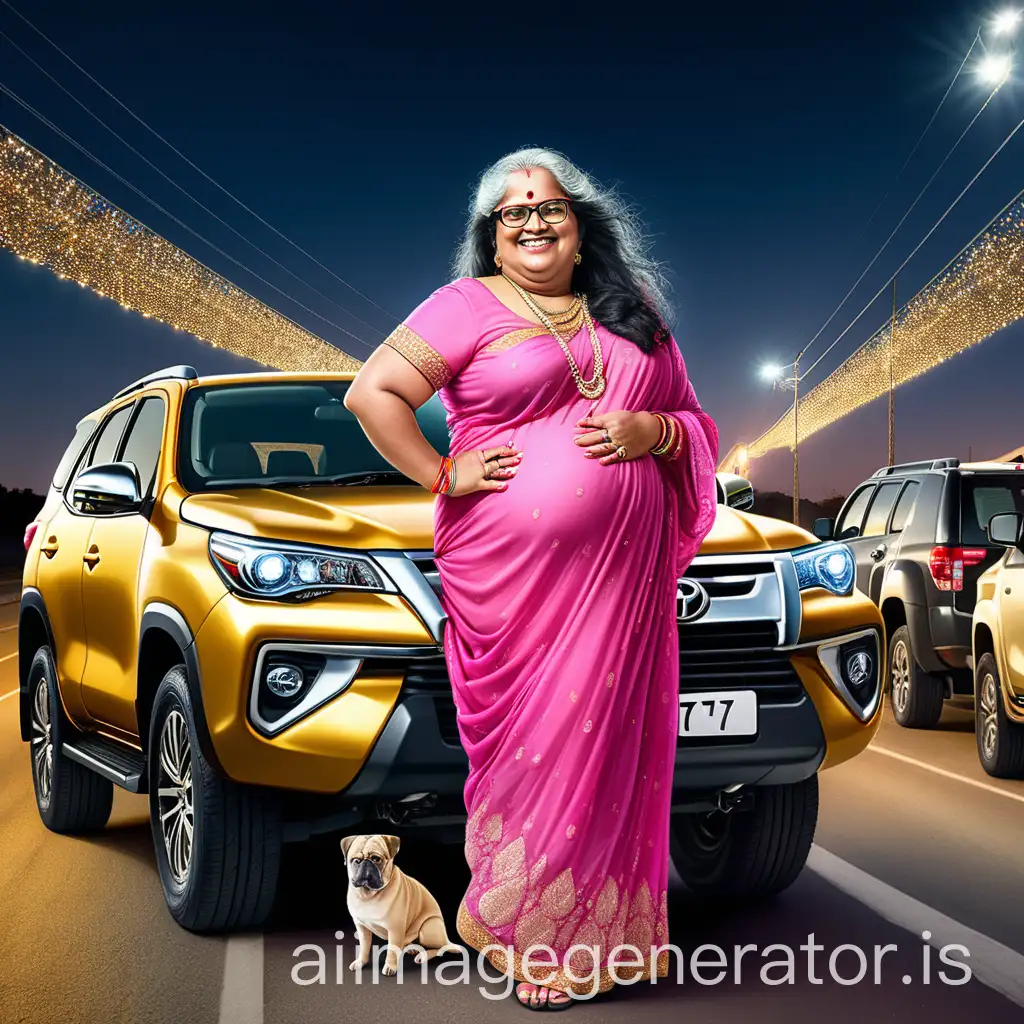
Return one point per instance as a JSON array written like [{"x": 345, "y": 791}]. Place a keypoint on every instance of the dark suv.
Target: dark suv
[{"x": 918, "y": 534}]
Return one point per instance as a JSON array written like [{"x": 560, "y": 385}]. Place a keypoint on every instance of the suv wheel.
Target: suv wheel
[
  {"x": 218, "y": 843},
  {"x": 750, "y": 854},
  {"x": 69, "y": 796},
  {"x": 1000, "y": 741},
  {"x": 916, "y": 696}
]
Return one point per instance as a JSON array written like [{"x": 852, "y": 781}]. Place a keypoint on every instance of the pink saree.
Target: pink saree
[{"x": 561, "y": 642}]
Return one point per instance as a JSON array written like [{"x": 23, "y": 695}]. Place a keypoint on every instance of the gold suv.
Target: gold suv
[
  {"x": 230, "y": 604},
  {"x": 998, "y": 658}
]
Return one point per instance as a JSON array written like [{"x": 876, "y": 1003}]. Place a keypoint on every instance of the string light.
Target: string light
[
  {"x": 980, "y": 293},
  {"x": 50, "y": 218}
]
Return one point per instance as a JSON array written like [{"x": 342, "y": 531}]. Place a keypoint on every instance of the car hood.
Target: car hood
[{"x": 403, "y": 517}]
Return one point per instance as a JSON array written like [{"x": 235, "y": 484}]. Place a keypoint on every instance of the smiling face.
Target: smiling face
[{"x": 537, "y": 254}]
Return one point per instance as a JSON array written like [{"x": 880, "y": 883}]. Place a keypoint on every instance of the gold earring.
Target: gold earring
[
  {"x": 497, "y": 259},
  {"x": 577, "y": 259}
]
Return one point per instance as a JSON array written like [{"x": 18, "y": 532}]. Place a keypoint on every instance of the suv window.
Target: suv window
[
  {"x": 903, "y": 507},
  {"x": 983, "y": 497},
  {"x": 106, "y": 446},
  {"x": 82, "y": 434},
  {"x": 849, "y": 523},
  {"x": 283, "y": 433},
  {"x": 881, "y": 506},
  {"x": 144, "y": 439}
]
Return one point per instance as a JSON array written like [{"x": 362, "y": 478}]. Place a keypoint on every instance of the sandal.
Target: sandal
[{"x": 538, "y": 997}]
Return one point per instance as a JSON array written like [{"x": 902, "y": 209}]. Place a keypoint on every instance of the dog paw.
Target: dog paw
[
  {"x": 357, "y": 965},
  {"x": 419, "y": 958},
  {"x": 389, "y": 970}
]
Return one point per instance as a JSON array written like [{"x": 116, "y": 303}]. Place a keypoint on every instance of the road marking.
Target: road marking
[
  {"x": 7, "y": 657},
  {"x": 6, "y": 695},
  {"x": 992, "y": 963},
  {"x": 7, "y": 629},
  {"x": 947, "y": 774},
  {"x": 241, "y": 994}
]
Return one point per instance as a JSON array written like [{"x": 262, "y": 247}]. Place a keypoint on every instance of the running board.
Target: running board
[{"x": 124, "y": 766}]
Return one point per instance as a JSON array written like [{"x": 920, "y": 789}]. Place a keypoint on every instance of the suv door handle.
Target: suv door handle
[
  {"x": 50, "y": 547},
  {"x": 91, "y": 557},
  {"x": 877, "y": 554}
]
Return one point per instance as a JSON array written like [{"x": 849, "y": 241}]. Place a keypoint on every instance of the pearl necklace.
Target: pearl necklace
[{"x": 594, "y": 387}]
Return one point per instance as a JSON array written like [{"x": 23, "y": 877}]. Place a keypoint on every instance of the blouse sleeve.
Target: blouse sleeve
[
  {"x": 691, "y": 473},
  {"x": 439, "y": 336}
]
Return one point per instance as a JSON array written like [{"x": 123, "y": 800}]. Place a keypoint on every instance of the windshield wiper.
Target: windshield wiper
[{"x": 367, "y": 479}]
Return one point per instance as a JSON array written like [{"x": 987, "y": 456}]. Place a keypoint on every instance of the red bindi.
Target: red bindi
[{"x": 529, "y": 195}]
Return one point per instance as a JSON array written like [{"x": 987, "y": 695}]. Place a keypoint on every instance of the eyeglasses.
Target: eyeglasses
[{"x": 551, "y": 211}]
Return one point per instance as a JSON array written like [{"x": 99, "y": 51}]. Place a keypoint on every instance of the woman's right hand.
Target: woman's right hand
[{"x": 499, "y": 464}]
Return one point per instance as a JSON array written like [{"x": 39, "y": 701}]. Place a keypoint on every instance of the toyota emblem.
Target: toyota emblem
[{"x": 693, "y": 600}]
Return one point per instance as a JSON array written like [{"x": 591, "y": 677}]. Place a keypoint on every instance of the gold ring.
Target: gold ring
[{"x": 621, "y": 451}]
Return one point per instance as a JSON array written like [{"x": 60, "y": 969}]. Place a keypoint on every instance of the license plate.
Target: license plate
[{"x": 722, "y": 713}]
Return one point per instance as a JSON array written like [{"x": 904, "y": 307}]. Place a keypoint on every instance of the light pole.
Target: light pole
[{"x": 779, "y": 379}]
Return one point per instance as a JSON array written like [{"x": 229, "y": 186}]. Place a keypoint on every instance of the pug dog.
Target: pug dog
[{"x": 386, "y": 902}]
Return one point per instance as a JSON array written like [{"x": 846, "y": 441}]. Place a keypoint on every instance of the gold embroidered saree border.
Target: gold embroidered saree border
[
  {"x": 479, "y": 938},
  {"x": 513, "y": 338},
  {"x": 426, "y": 359}
]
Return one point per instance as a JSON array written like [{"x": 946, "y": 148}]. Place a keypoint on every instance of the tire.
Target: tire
[
  {"x": 916, "y": 697},
  {"x": 70, "y": 798},
  {"x": 1000, "y": 741},
  {"x": 224, "y": 876},
  {"x": 748, "y": 855}
]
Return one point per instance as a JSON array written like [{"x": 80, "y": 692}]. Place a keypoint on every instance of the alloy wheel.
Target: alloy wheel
[
  {"x": 900, "y": 677},
  {"x": 174, "y": 795},
  {"x": 989, "y": 693},
  {"x": 42, "y": 742}
]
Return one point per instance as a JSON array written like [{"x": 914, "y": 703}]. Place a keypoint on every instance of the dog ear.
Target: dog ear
[
  {"x": 346, "y": 843},
  {"x": 393, "y": 843}
]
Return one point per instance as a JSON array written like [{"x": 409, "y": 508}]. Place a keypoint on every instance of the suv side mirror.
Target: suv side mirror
[
  {"x": 1005, "y": 528},
  {"x": 734, "y": 491},
  {"x": 107, "y": 489},
  {"x": 823, "y": 528}
]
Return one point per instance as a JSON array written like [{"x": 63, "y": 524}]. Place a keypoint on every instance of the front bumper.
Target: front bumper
[{"x": 391, "y": 732}]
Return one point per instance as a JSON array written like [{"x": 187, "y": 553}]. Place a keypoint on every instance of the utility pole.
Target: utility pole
[
  {"x": 892, "y": 382},
  {"x": 796, "y": 441}
]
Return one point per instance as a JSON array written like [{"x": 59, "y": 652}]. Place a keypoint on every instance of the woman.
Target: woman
[{"x": 581, "y": 486}]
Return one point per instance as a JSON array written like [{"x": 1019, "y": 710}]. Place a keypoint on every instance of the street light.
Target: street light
[
  {"x": 1006, "y": 22},
  {"x": 995, "y": 69},
  {"x": 780, "y": 378}
]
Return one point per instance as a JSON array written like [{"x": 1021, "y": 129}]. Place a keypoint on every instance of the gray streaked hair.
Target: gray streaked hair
[{"x": 616, "y": 249}]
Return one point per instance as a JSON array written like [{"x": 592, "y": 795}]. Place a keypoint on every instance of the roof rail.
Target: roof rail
[
  {"x": 917, "y": 467},
  {"x": 181, "y": 372}
]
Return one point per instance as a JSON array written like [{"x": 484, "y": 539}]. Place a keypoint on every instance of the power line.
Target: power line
[
  {"x": 194, "y": 166},
  {"x": 53, "y": 127},
  {"x": 927, "y": 128},
  {"x": 184, "y": 191},
  {"x": 913, "y": 205},
  {"x": 967, "y": 187}
]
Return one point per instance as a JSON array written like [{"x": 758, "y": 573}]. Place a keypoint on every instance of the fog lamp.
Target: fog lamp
[
  {"x": 284, "y": 680},
  {"x": 860, "y": 668}
]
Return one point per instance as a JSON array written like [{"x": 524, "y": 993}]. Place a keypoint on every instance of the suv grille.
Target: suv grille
[{"x": 737, "y": 655}]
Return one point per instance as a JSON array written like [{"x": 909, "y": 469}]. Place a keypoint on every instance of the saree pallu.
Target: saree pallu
[{"x": 561, "y": 641}]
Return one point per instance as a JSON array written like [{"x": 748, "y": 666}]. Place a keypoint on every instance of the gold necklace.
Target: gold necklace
[{"x": 594, "y": 387}]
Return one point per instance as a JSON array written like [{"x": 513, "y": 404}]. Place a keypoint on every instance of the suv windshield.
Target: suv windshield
[
  {"x": 281, "y": 433},
  {"x": 983, "y": 497}
]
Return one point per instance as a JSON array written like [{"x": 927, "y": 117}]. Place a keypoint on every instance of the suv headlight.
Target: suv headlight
[
  {"x": 272, "y": 569},
  {"x": 830, "y": 565}
]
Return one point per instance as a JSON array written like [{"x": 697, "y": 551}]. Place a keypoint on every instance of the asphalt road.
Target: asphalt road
[{"x": 913, "y": 837}]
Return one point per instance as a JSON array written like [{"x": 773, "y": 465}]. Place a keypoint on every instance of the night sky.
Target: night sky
[{"x": 757, "y": 140}]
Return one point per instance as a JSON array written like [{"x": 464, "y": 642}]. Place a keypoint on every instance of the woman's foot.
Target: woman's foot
[{"x": 540, "y": 997}]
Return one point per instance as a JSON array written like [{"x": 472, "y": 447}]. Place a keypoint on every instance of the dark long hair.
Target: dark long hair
[{"x": 625, "y": 288}]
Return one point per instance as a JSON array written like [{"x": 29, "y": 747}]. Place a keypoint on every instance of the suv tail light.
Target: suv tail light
[
  {"x": 30, "y": 532},
  {"x": 947, "y": 565}
]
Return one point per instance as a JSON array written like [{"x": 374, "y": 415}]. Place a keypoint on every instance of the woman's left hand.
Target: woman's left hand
[{"x": 604, "y": 433}]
